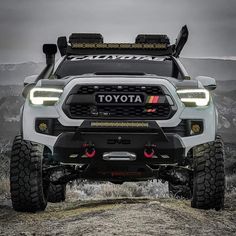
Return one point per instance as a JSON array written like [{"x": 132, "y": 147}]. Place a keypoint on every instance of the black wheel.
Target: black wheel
[
  {"x": 209, "y": 176},
  {"x": 57, "y": 193},
  {"x": 179, "y": 191},
  {"x": 28, "y": 191}
]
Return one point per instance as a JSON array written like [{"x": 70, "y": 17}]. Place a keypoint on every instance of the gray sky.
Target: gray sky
[{"x": 26, "y": 24}]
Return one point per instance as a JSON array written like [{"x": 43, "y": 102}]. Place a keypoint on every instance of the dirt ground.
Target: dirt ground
[{"x": 138, "y": 216}]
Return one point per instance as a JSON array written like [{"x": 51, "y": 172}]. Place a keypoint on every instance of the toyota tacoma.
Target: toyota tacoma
[{"x": 117, "y": 112}]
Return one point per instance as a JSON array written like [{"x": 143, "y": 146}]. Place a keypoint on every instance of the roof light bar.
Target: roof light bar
[{"x": 119, "y": 45}]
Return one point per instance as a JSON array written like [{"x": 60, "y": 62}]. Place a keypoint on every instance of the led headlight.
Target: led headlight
[
  {"x": 194, "y": 97},
  {"x": 44, "y": 96}
]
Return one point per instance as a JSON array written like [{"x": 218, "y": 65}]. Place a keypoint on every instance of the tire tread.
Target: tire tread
[
  {"x": 26, "y": 181},
  {"x": 209, "y": 176}
]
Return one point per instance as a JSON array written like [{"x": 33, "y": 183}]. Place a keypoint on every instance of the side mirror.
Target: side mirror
[{"x": 207, "y": 82}]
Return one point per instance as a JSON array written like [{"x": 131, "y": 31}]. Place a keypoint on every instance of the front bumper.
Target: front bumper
[{"x": 71, "y": 147}]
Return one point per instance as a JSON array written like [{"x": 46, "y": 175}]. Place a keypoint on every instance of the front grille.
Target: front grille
[{"x": 89, "y": 109}]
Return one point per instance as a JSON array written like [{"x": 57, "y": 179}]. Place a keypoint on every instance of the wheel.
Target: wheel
[
  {"x": 28, "y": 190},
  {"x": 179, "y": 191},
  {"x": 209, "y": 176}
]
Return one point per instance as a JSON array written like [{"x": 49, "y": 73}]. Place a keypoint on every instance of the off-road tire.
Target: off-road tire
[
  {"x": 56, "y": 193},
  {"x": 179, "y": 191},
  {"x": 28, "y": 192},
  {"x": 209, "y": 176}
]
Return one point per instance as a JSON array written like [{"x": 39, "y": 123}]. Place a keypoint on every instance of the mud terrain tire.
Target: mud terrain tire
[
  {"x": 209, "y": 176},
  {"x": 28, "y": 193}
]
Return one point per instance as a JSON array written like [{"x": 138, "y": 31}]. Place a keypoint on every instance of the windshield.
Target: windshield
[{"x": 84, "y": 64}]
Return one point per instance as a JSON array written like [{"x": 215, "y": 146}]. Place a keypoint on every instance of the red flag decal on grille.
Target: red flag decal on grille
[{"x": 152, "y": 99}]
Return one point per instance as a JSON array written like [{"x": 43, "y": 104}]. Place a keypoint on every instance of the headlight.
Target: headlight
[
  {"x": 194, "y": 97},
  {"x": 44, "y": 96}
]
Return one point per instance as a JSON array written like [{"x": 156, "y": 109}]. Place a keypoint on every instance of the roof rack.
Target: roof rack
[{"x": 155, "y": 45}]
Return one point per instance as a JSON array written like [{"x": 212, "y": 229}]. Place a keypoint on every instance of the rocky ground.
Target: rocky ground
[{"x": 120, "y": 216}]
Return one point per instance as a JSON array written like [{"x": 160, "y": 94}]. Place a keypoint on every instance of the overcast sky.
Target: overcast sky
[{"x": 26, "y": 24}]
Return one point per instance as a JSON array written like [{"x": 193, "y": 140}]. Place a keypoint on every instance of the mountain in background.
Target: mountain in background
[{"x": 14, "y": 74}]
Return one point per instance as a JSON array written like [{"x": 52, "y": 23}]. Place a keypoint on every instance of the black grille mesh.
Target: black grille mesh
[{"x": 119, "y": 111}]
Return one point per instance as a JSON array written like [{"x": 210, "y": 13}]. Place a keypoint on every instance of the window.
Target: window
[{"x": 162, "y": 67}]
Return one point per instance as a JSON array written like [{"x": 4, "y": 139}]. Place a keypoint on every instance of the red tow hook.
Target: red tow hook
[
  {"x": 148, "y": 154},
  {"x": 90, "y": 152},
  {"x": 149, "y": 150}
]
